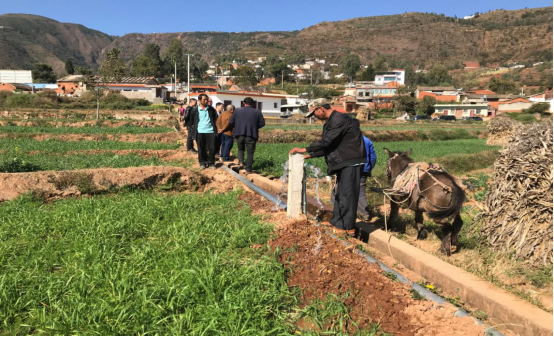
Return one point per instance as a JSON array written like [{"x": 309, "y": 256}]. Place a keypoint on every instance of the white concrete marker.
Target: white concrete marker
[{"x": 296, "y": 176}]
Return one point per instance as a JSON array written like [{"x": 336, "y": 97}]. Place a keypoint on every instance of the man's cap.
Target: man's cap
[{"x": 318, "y": 103}]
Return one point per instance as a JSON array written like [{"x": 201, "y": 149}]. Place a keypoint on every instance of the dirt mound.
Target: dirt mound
[
  {"x": 53, "y": 184},
  {"x": 167, "y": 137},
  {"x": 320, "y": 265}
]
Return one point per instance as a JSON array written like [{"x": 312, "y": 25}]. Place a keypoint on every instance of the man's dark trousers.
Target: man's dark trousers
[
  {"x": 346, "y": 197},
  {"x": 250, "y": 144},
  {"x": 191, "y": 136},
  {"x": 226, "y": 146},
  {"x": 206, "y": 148}
]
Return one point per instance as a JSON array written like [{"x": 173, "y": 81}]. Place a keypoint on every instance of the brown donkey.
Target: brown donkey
[{"x": 425, "y": 189}]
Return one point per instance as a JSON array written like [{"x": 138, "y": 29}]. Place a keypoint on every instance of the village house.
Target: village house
[
  {"x": 16, "y": 76},
  {"x": 514, "y": 105},
  {"x": 444, "y": 94},
  {"x": 395, "y": 75},
  {"x": 269, "y": 103},
  {"x": 16, "y": 87},
  {"x": 70, "y": 85},
  {"x": 471, "y": 65},
  {"x": 134, "y": 88},
  {"x": 461, "y": 110},
  {"x": 541, "y": 97}
]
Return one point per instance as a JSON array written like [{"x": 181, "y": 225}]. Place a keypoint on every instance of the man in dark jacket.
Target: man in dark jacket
[
  {"x": 246, "y": 121},
  {"x": 204, "y": 119},
  {"x": 343, "y": 146},
  {"x": 191, "y": 129}
]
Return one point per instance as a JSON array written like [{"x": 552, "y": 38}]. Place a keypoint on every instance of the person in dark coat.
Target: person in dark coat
[
  {"x": 246, "y": 121},
  {"x": 343, "y": 147},
  {"x": 204, "y": 119},
  {"x": 191, "y": 129}
]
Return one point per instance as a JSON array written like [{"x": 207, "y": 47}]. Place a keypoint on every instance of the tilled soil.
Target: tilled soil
[
  {"x": 56, "y": 184},
  {"x": 166, "y": 137},
  {"x": 105, "y": 123},
  {"x": 320, "y": 265}
]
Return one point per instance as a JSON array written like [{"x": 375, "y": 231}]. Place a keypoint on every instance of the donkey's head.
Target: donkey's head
[{"x": 397, "y": 161}]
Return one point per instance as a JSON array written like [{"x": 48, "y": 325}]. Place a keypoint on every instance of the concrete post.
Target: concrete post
[{"x": 295, "y": 188}]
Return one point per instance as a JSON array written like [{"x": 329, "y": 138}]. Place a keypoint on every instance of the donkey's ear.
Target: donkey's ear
[
  {"x": 409, "y": 152},
  {"x": 388, "y": 152}
]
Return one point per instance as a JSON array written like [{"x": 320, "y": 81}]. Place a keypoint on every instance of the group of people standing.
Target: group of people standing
[
  {"x": 350, "y": 156},
  {"x": 215, "y": 129}
]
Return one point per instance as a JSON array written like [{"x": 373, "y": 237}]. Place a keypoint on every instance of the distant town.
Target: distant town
[{"x": 377, "y": 91}]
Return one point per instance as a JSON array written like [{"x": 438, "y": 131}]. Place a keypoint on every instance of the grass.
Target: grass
[
  {"x": 60, "y": 146},
  {"x": 139, "y": 263},
  {"x": 522, "y": 117},
  {"x": 85, "y": 129},
  {"x": 457, "y": 155},
  {"x": 32, "y": 163},
  {"x": 407, "y": 126}
]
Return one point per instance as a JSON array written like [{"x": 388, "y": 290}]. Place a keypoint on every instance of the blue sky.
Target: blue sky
[{"x": 119, "y": 17}]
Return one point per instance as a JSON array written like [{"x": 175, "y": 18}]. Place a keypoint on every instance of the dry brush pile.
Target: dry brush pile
[
  {"x": 518, "y": 214},
  {"x": 500, "y": 130}
]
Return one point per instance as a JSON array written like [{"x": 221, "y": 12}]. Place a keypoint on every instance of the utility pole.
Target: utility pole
[
  {"x": 188, "y": 73},
  {"x": 282, "y": 78},
  {"x": 311, "y": 76}
]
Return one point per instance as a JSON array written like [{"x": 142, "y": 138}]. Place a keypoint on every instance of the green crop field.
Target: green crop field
[
  {"x": 60, "y": 162},
  {"x": 407, "y": 126},
  {"x": 465, "y": 152},
  {"x": 85, "y": 130},
  {"x": 139, "y": 263},
  {"x": 59, "y": 146}
]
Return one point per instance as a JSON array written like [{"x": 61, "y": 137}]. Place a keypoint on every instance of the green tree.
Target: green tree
[
  {"x": 69, "y": 68},
  {"x": 112, "y": 68},
  {"x": 149, "y": 62},
  {"x": 43, "y": 73},
  {"x": 198, "y": 66},
  {"x": 279, "y": 70},
  {"x": 502, "y": 85},
  {"x": 380, "y": 64},
  {"x": 349, "y": 65},
  {"x": 439, "y": 75},
  {"x": 369, "y": 73},
  {"x": 152, "y": 51},
  {"x": 145, "y": 66},
  {"x": 427, "y": 105},
  {"x": 540, "y": 108},
  {"x": 174, "y": 54},
  {"x": 244, "y": 75},
  {"x": 403, "y": 101}
]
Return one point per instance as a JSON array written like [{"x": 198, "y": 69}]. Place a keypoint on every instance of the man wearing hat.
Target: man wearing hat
[{"x": 343, "y": 147}]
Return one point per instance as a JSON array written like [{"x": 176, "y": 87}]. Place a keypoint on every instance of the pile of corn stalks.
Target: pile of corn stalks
[
  {"x": 518, "y": 210},
  {"x": 500, "y": 130}
]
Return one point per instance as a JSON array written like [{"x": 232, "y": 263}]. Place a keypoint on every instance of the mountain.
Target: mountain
[
  {"x": 28, "y": 39},
  {"x": 494, "y": 37}
]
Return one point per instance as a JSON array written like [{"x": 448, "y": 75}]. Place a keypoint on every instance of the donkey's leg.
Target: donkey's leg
[
  {"x": 393, "y": 215},
  {"x": 446, "y": 229},
  {"x": 421, "y": 232},
  {"x": 456, "y": 227},
  {"x": 446, "y": 244}
]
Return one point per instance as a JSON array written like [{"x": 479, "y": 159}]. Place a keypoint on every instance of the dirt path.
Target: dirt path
[
  {"x": 167, "y": 137},
  {"x": 321, "y": 265}
]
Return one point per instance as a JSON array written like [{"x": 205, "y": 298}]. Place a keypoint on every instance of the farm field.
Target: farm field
[{"x": 200, "y": 256}]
